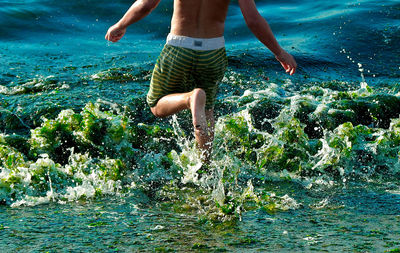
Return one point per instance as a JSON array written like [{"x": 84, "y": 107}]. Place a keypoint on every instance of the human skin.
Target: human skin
[{"x": 201, "y": 19}]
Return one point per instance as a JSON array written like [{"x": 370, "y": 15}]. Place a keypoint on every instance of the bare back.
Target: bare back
[{"x": 199, "y": 18}]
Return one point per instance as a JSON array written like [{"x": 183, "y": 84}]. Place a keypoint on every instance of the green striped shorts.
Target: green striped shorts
[{"x": 179, "y": 69}]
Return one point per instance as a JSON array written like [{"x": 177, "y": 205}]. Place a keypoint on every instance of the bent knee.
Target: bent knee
[{"x": 156, "y": 112}]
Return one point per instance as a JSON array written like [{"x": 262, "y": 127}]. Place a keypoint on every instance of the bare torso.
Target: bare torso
[{"x": 199, "y": 18}]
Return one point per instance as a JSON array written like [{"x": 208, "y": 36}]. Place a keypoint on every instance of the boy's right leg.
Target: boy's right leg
[
  {"x": 171, "y": 104},
  {"x": 195, "y": 101}
]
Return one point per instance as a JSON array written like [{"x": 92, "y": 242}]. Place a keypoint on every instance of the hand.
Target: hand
[
  {"x": 287, "y": 61},
  {"x": 115, "y": 33}
]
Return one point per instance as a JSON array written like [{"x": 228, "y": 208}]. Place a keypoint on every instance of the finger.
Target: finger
[
  {"x": 293, "y": 71},
  {"x": 109, "y": 37}
]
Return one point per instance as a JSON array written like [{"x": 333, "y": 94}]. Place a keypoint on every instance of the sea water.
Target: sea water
[{"x": 308, "y": 162}]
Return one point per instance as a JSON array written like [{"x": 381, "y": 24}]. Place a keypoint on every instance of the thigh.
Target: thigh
[{"x": 210, "y": 70}]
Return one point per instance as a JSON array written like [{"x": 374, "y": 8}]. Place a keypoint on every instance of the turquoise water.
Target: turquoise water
[{"x": 302, "y": 163}]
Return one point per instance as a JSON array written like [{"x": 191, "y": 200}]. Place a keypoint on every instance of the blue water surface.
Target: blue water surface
[
  {"x": 320, "y": 34},
  {"x": 53, "y": 57}
]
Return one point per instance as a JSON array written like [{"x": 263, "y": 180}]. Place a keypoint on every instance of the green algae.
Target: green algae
[
  {"x": 122, "y": 75},
  {"x": 315, "y": 136},
  {"x": 98, "y": 224},
  {"x": 32, "y": 86},
  {"x": 93, "y": 131},
  {"x": 74, "y": 156},
  {"x": 286, "y": 148},
  {"x": 393, "y": 250}
]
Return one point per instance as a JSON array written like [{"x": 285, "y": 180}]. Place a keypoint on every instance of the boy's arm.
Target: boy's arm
[
  {"x": 260, "y": 28},
  {"x": 138, "y": 10}
]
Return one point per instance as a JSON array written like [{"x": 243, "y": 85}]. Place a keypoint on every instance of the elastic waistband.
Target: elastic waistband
[{"x": 196, "y": 43}]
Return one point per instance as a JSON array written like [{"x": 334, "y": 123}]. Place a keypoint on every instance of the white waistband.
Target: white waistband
[{"x": 196, "y": 43}]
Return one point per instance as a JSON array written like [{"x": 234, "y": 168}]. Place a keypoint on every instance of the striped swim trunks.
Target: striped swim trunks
[{"x": 187, "y": 63}]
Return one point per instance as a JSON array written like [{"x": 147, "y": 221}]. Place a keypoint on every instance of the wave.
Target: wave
[{"x": 325, "y": 134}]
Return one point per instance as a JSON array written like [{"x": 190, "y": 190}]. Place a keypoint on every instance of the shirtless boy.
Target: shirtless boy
[{"x": 193, "y": 61}]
